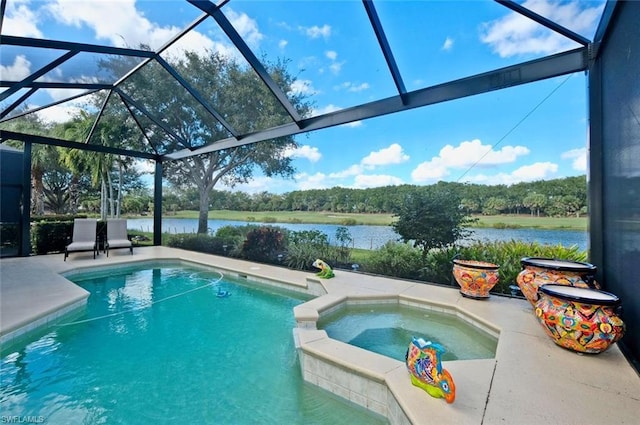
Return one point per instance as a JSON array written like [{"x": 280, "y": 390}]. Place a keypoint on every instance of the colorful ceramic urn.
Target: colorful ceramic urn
[
  {"x": 476, "y": 278},
  {"x": 580, "y": 319},
  {"x": 538, "y": 271},
  {"x": 423, "y": 362}
]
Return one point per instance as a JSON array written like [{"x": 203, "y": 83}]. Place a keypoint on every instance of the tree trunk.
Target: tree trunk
[
  {"x": 111, "y": 210},
  {"x": 119, "y": 201},
  {"x": 203, "y": 216},
  {"x": 38, "y": 194},
  {"x": 103, "y": 199},
  {"x": 74, "y": 195}
]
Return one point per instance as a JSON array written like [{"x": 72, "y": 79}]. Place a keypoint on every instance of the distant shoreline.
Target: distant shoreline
[{"x": 327, "y": 217}]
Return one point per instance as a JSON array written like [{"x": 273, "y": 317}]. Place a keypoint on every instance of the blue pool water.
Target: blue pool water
[
  {"x": 387, "y": 329},
  {"x": 159, "y": 345}
]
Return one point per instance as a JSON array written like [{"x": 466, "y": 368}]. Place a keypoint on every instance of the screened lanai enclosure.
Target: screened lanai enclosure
[{"x": 161, "y": 92}]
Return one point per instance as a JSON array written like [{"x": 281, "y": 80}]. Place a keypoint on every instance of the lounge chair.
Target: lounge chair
[
  {"x": 117, "y": 235},
  {"x": 84, "y": 237}
]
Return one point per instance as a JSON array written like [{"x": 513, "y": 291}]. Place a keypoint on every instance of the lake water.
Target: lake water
[{"x": 372, "y": 237}]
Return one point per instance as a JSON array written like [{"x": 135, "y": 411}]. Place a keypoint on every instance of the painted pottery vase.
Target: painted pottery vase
[
  {"x": 580, "y": 319},
  {"x": 476, "y": 278},
  {"x": 425, "y": 367},
  {"x": 538, "y": 271}
]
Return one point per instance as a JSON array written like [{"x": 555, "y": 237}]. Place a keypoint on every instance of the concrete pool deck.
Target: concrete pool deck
[{"x": 530, "y": 381}]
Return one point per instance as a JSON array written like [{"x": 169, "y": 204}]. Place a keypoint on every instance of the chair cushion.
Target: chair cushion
[
  {"x": 81, "y": 246},
  {"x": 119, "y": 243}
]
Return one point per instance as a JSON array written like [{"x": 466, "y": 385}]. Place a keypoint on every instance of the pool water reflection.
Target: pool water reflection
[
  {"x": 387, "y": 329},
  {"x": 157, "y": 345}
]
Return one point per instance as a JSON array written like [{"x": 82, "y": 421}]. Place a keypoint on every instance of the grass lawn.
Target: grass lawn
[
  {"x": 527, "y": 221},
  {"x": 293, "y": 217},
  {"x": 497, "y": 221}
]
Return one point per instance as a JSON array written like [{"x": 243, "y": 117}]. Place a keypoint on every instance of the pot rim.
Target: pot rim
[
  {"x": 475, "y": 264},
  {"x": 550, "y": 289},
  {"x": 568, "y": 265}
]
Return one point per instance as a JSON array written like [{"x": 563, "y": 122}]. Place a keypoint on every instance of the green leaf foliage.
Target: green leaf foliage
[
  {"x": 395, "y": 259},
  {"x": 264, "y": 244},
  {"x": 506, "y": 254},
  {"x": 431, "y": 218}
]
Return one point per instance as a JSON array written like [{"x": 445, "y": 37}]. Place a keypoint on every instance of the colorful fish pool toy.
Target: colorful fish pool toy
[{"x": 423, "y": 362}]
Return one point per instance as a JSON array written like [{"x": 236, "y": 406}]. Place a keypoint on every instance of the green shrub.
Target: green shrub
[
  {"x": 9, "y": 234},
  {"x": 269, "y": 220},
  {"x": 232, "y": 238},
  {"x": 305, "y": 246},
  {"x": 49, "y": 236},
  {"x": 56, "y": 218},
  {"x": 395, "y": 259},
  {"x": 348, "y": 222},
  {"x": 264, "y": 244},
  {"x": 506, "y": 254},
  {"x": 201, "y": 243}
]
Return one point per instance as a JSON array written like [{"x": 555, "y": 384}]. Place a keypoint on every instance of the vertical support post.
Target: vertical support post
[
  {"x": 25, "y": 219},
  {"x": 157, "y": 204},
  {"x": 596, "y": 173}
]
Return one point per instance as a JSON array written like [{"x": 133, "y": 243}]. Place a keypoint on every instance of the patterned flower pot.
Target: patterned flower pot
[
  {"x": 580, "y": 319},
  {"x": 476, "y": 278},
  {"x": 542, "y": 271}
]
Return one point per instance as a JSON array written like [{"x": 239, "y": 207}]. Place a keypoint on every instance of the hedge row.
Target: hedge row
[{"x": 52, "y": 236}]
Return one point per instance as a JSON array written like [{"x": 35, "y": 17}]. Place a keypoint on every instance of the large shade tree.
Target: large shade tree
[
  {"x": 432, "y": 217},
  {"x": 235, "y": 91}
]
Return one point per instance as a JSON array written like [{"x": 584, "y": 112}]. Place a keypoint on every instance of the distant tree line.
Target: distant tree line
[{"x": 559, "y": 198}]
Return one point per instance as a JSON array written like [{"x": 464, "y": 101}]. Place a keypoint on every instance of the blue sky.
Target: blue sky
[{"x": 531, "y": 132}]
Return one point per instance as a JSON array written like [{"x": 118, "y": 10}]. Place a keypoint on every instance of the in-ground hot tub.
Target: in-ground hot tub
[{"x": 388, "y": 328}]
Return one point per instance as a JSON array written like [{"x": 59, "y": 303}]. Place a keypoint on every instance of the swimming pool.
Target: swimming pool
[
  {"x": 169, "y": 343},
  {"x": 388, "y": 328}
]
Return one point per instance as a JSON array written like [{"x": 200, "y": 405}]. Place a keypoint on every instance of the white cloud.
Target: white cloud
[
  {"x": 336, "y": 67},
  {"x": 58, "y": 113},
  {"x": 282, "y": 44},
  {"x": 537, "y": 171},
  {"x": 60, "y": 94},
  {"x": 326, "y": 109},
  {"x": 18, "y": 70},
  {"x": 353, "y": 170},
  {"x": 257, "y": 184},
  {"x": 303, "y": 87},
  {"x": 376, "y": 180},
  {"x": 316, "y": 31},
  {"x": 199, "y": 43},
  {"x": 467, "y": 154},
  {"x": 433, "y": 170},
  {"x": 332, "y": 108},
  {"x": 132, "y": 28},
  {"x": 353, "y": 87},
  {"x": 21, "y": 21},
  {"x": 387, "y": 156},
  {"x": 311, "y": 181},
  {"x": 579, "y": 157},
  {"x": 304, "y": 151},
  {"x": 477, "y": 154},
  {"x": 526, "y": 173},
  {"x": 246, "y": 27},
  {"x": 391, "y": 155},
  {"x": 448, "y": 44},
  {"x": 514, "y": 34},
  {"x": 331, "y": 54}
]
